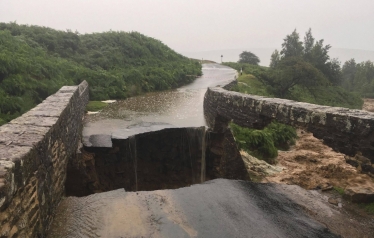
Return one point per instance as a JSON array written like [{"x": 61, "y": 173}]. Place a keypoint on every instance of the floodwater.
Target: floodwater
[{"x": 182, "y": 107}]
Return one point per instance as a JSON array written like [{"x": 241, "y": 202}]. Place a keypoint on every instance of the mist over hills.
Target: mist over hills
[{"x": 232, "y": 55}]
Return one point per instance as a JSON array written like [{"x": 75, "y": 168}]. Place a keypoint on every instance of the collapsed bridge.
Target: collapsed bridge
[{"x": 39, "y": 165}]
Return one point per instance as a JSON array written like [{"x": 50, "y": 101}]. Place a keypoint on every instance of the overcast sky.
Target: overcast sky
[{"x": 199, "y": 25}]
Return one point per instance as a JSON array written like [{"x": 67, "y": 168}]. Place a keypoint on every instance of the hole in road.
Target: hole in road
[{"x": 166, "y": 159}]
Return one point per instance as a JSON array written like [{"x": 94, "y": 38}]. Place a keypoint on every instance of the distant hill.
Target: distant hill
[
  {"x": 232, "y": 55},
  {"x": 36, "y": 61}
]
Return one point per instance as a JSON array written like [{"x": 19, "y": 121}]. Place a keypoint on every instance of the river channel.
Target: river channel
[{"x": 182, "y": 107}]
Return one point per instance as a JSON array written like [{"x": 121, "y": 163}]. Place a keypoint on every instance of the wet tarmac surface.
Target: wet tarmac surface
[
  {"x": 154, "y": 111},
  {"x": 218, "y": 208}
]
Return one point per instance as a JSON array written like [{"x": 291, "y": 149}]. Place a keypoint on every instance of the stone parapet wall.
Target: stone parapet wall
[
  {"x": 345, "y": 130},
  {"x": 34, "y": 151},
  {"x": 230, "y": 85}
]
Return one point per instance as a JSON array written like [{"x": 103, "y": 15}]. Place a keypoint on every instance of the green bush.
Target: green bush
[
  {"x": 264, "y": 144},
  {"x": 283, "y": 135},
  {"x": 2, "y": 122}
]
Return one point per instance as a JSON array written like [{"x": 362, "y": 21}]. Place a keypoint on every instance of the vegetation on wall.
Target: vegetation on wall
[
  {"x": 36, "y": 61},
  {"x": 264, "y": 144}
]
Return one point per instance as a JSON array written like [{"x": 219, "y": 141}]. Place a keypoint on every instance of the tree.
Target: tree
[
  {"x": 333, "y": 72},
  {"x": 311, "y": 51},
  {"x": 291, "y": 71},
  {"x": 275, "y": 58},
  {"x": 249, "y": 58},
  {"x": 359, "y": 77},
  {"x": 308, "y": 45},
  {"x": 308, "y": 42},
  {"x": 349, "y": 71},
  {"x": 319, "y": 55},
  {"x": 292, "y": 46}
]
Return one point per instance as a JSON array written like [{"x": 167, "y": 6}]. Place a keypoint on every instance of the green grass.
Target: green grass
[
  {"x": 369, "y": 207},
  {"x": 339, "y": 190},
  {"x": 94, "y": 106},
  {"x": 249, "y": 84}
]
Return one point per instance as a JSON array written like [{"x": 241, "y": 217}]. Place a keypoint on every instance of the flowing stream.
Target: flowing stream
[{"x": 182, "y": 107}]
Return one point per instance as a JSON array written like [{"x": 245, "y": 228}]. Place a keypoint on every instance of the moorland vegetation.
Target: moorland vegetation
[
  {"x": 36, "y": 61},
  {"x": 301, "y": 71}
]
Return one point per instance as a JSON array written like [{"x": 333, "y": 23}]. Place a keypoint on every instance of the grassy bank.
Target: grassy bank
[{"x": 94, "y": 106}]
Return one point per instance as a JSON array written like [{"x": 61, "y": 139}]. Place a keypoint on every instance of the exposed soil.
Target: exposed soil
[{"x": 313, "y": 165}]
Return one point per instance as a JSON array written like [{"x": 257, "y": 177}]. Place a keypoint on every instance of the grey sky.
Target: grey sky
[{"x": 199, "y": 25}]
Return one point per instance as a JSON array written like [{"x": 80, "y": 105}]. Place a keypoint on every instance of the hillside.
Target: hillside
[
  {"x": 36, "y": 61},
  {"x": 328, "y": 95}
]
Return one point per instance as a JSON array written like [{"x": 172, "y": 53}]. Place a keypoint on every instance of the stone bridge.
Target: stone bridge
[
  {"x": 37, "y": 148},
  {"x": 34, "y": 152},
  {"x": 345, "y": 130}
]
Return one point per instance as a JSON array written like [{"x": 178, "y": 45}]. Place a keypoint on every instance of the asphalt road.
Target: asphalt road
[
  {"x": 182, "y": 107},
  {"x": 217, "y": 208}
]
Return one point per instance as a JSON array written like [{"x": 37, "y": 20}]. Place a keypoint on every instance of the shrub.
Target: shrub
[
  {"x": 2, "y": 122},
  {"x": 264, "y": 144}
]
